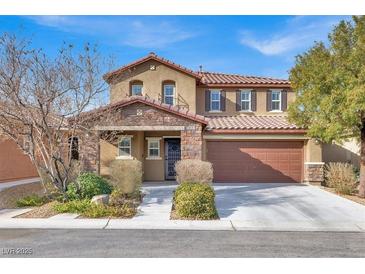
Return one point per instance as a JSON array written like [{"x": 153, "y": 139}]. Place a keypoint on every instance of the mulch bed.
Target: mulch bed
[
  {"x": 44, "y": 211},
  {"x": 353, "y": 198},
  {"x": 9, "y": 196}
]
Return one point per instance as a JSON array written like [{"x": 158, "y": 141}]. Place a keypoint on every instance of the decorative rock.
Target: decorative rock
[{"x": 100, "y": 199}]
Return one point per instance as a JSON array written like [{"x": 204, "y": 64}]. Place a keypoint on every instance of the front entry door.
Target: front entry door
[{"x": 172, "y": 155}]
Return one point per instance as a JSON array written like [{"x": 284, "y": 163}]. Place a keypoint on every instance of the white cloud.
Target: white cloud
[
  {"x": 142, "y": 33},
  {"x": 298, "y": 33}
]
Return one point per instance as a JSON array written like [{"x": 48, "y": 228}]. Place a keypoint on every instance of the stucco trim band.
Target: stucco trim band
[
  {"x": 142, "y": 128},
  {"x": 255, "y": 137}
]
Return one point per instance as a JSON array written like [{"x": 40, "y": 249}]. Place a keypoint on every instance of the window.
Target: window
[
  {"x": 169, "y": 93},
  {"x": 136, "y": 89},
  {"x": 276, "y": 100},
  {"x": 74, "y": 148},
  {"x": 215, "y": 100},
  {"x": 153, "y": 147},
  {"x": 125, "y": 147},
  {"x": 246, "y": 100}
]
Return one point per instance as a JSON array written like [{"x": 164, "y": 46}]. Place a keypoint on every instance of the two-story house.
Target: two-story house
[{"x": 162, "y": 112}]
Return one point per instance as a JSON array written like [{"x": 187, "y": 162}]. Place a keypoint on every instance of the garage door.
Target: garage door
[{"x": 256, "y": 161}]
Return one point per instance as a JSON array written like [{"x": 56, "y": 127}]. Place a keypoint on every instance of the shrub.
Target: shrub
[
  {"x": 90, "y": 210},
  {"x": 194, "y": 171},
  {"x": 76, "y": 206},
  {"x": 99, "y": 211},
  {"x": 126, "y": 175},
  {"x": 195, "y": 201},
  {"x": 88, "y": 185},
  {"x": 118, "y": 198},
  {"x": 341, "y": 177},
  {"x": 32, "y": 200}
]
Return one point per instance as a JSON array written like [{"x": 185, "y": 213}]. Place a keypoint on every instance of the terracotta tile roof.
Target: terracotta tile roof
[
  {"x": 151, "y": 102},
  {"x": 243, "y": 122},
  {"x": 213, "y": 78},
  {"x": 151, "y": 56}
]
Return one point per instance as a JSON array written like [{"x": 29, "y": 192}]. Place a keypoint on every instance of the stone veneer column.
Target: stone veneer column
[
  {"x": 191, "y": 142},
  {"x": 314, "y": 172},
  {"x": 89, "y": 151}
]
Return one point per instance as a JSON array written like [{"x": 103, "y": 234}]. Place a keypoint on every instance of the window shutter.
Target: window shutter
[
  {"x": 207, "y": 100},
  {"x": 223, "y": 100},
  {"x": 268, "y": 100},
  {"x": 284, "y": 100},
  {"x": 238, "y": 100},
  {"x": 163, "y": 94},
  {"x": 253, "y": 100}
]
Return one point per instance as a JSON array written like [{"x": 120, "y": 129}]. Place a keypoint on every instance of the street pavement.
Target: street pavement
[{"x": 178, "y": 243}]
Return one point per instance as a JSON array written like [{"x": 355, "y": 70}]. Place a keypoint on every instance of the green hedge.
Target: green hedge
[
  {"x": 90, "y": 185},
  {"x": 195, "y": 201}
]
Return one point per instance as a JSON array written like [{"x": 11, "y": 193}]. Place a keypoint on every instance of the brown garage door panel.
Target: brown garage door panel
[{"x": 261, "y": 162}]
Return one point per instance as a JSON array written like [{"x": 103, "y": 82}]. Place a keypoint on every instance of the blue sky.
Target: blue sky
[{"x": 249, "y": 45}]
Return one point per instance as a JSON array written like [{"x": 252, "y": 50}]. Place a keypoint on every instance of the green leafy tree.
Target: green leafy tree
[{"x": 329, "y": 81}]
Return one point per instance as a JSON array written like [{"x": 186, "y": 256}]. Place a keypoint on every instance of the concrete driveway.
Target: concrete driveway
[{"x": 273, "y": 205}]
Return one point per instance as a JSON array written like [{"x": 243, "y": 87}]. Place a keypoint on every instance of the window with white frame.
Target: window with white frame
[
  {"x": 153, "y": 147},
  {"x": 137, "y": 89},
  {"x": 215, "y": 100},
  {"x": 245, "y": 100},
  {"x": 276, "y": 100},
  {"x": 169, "y": 94},
  {"x": 125, "y": 146}
]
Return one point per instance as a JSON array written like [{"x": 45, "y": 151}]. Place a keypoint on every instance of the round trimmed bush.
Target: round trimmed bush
[
  {"x": 88, "y": 185},
  {"x": 195, "y": 201}
]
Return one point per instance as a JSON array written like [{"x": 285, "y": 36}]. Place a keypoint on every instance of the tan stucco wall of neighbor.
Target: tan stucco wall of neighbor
[
  {"x": 14, "y": 164},
  {"x": 347, "y": 152},
  {"x": 152, "y": 84},
  {"x": 231, "y": 102}
]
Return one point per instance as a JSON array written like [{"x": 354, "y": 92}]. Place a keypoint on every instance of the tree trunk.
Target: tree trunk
[{"x": 362, "y": 162}]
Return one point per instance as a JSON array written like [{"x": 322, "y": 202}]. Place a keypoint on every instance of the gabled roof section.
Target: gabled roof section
[
  {"x": 182, "y": 112},
  {"x": 152, "y": 56},
  {"x": 214, "y": 78}
]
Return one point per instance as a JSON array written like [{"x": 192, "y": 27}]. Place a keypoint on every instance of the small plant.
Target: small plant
[
  {"x": 118, "y": 198},
  {"x": 195, "y": 201},
  {"x": 126, "y": 175},
  {"x": 75, "y": 206},
  {"x": 341, "y": 177},
  {"x": 88, "y": 185},
  {"x": 32, "y": 200},
  {"x": 194, "y": 171}
]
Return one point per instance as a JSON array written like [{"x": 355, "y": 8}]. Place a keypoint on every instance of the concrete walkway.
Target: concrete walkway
[
  {"x": 157, "y": 202},
  {"x": 18, "y": 182}
]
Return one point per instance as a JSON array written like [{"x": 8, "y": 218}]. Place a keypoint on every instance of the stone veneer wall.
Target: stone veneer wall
[
  {"x": 191, "y": 142},
  {"x": 89, "y": 151},
  {"x": 314, "y": 172}
]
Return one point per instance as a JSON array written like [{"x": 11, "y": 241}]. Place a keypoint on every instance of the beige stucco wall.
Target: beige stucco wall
[
  {"x": 347, "y": 152},
  {"x": 152, "y": 84},
  {"x": 231, "y": 102},
  {"x": 312, "y": 151},
  {"x": 153, "y": 170}
]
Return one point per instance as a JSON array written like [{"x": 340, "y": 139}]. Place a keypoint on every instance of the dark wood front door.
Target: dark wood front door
[{"x": 172, "y": 155}]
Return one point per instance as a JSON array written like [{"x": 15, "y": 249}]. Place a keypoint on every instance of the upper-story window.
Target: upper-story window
[
  {"x": 276, "y": 100},
  {"x": 137, "y": 88},
  {"x": 215, "y": 100},
  {"x": 169, "y": 93},
  {"x": 246, "y": 100}
]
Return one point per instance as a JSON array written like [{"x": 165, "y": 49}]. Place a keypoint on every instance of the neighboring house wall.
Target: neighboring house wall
[
  {"x": 14, "y": 164},
  {"x": 231, "y": 102},
  {"x": 153, "y": 84}
]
